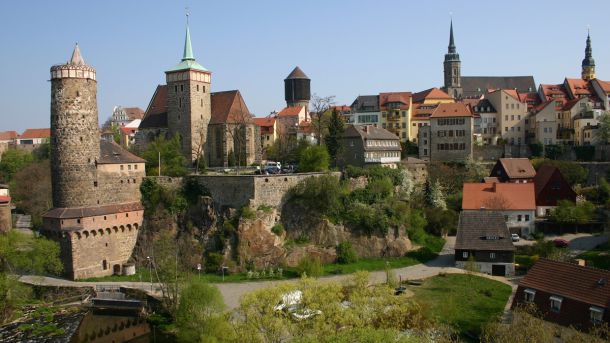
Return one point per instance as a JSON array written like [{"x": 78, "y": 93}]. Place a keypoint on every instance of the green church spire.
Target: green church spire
[{"x": 188, "y": 48}]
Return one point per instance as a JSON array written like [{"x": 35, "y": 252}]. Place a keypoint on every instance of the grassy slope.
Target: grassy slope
[
  {"x": 462, "y": 301},
  {"x": 598, "y": 257}
]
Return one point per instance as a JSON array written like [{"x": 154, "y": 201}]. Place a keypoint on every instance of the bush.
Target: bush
[
  {"x": 278, "y": 229},
  {"x": 346, "y": 253},
  {"x": 585, "y": 153},
  {"x": 247, "y": 213},
  {"x": 192, "y": 190},
  {"x": 375, "y": 173},
  {"x": 537, "y": 149},
  {"x": 321, "y": 195},
  {"x": 553, "y": 152},
  {"x": 265, "y": 208},
  {"x": 314, "y": 159},
  {"x": 213, "y": 262},
  {"x": 310, "y": 266}
]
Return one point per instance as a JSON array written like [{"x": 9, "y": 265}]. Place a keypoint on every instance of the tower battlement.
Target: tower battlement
[{"x": 74, "y": 68}]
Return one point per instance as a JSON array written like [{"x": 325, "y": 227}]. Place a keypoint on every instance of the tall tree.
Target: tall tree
[
  {"x": 12, "y": 161},
  {"x": 31, "y": 190},
  {"x": 320, "y": 108},
  {"x": 173, "y": 162},
  {"x": 336, "y": 127},
  {"x": 603, "y": 132}
]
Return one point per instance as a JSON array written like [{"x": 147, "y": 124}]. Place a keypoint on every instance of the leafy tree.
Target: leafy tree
[
  {"x": 199, "y": 317},
  {"x": 42, "y": 152},
  {"x": 31, "y": 190},
  {"x": 567, "y": 212},
  {"x": 573, "y": 172},
  {"x": 314, "y": 159},
  {"x": 585, "y": 153},
  {"x": 173, "y": 162},
  {"x": 433, "y": 193},
  {"x": 603, "y": 132},
  {"x": 322, "y": 194},
  {"x": 13, "y": 160},
  {"x": 553, "y": 152},
  {"x": 471, "y": 266},
  {"x": 441, "y": 222},
  {"x": 408, "y": 148},
  {"x": 335, "y": 131},
  {"x": 346, "y": 253},
  {"x": 116, "y": 133},
  {"x": 537, "y": 149}
]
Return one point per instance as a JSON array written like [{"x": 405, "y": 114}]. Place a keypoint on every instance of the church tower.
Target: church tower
[
  {"x": 452, "y": 69},
  {"x": 75, "y": 142},
  {"x": 189, "y": 108},
  {"x": 297, "y": 89},
  {"x": 588, "y": 63}
]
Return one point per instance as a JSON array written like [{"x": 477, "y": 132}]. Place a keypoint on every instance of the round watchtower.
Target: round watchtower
[
  {"x": 75, "y": 137},
  {"x": 297, "y": 88}
]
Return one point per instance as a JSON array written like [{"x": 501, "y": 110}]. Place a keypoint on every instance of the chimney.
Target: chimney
[{"x": 581, "y": 262}]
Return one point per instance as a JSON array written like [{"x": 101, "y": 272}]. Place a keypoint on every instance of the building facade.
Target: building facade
[
  {"x": 366, "y": 145},
  {"x": 449, "y": 136},
  {"x": 96, "y": 200}
]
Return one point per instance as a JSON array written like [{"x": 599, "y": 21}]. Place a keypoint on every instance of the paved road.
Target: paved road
[
  {"x": 232, "y": 292},
  {"x": 578, "y": 242}
]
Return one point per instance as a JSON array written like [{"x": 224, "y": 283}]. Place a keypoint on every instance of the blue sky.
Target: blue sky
[{"x": 347, "y": 48}]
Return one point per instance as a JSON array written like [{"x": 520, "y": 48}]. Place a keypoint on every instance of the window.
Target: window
[
  {"x": 182, "y": 88},
  {"x": 465, "y": 254},
  {"x": 529, "y": 295},
  {"x": 135, "y": 166},
  {"x": 94, "y": 183},
  {"x": 596, "y": 314},
  {"x": 129, "y": 167},
  {"x": 555, "y": 303},
  {"x": 527, "y": 217},
  {"x": 492, "y": 255},
  {"x": 512, "y": 117},
  {"x": 519, "y": 218},
  {"x": 122, "y": 167}
]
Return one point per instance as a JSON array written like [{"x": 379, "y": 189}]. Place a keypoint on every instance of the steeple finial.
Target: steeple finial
[
  {"x": 588, "y": 60},
  {"x": 451, "y": 48},
  {"x": 188, "y": 48},
  {"x": 76, "y": 58}
]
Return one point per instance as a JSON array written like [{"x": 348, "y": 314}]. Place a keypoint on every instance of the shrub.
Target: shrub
[
  {"x": 314, "y": 159},
  {"x": 247, "y": 213},
  {"x": 265, "y": 208},
  {"x": 553, "y": 152},
  {"x": 346, "y": 253},
  {"x": 213, "y": 262},
  {"x": 278, "y": 229},
  {"x": 585, "y": 153},
  {"x": 310, "y": 266},
  {"x": 537, "y": 149},
  {"x": 321, "y": 195},
  {"x": 192, "y": 190}
]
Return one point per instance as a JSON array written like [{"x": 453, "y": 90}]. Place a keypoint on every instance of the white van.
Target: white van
[{"x": 273, "y": 164}]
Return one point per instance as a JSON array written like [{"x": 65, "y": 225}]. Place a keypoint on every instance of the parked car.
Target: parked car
[
  {"x": 273, "y": 170},
  {"x": 273, "y": 164},
  {"x": 561, "y": 243},
  {"x": 515, "y": 237}
]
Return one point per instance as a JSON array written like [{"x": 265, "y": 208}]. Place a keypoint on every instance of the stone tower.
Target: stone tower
[
  {"x": 189, "y": 107},
  {"x": 297, "y": 89},
  {"x": 588, "y": 63},
  {"x": 452, "y": 69},
  {"x": 75, "y": 144}
]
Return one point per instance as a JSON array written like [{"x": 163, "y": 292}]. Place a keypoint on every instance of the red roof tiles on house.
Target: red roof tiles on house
[
  {"x": 586, "y": 284},
  {"x": 229, "y": 107},
  {"x": 290, "y": 111},
  {"x": 134, "y": 113},
  {"x": 4, "y": 199},
  {"x": 517, "y": 168},
  {"x": 395, "y": 97},
  {"x": 448, "y": 110},
  {"x": 264, "y": 122},
  {"x": 499, "y": 196},
  {"x": 35, "y": 133},
  {"x": 431, "y": 94},
  {"x": 8, "y": 135}
]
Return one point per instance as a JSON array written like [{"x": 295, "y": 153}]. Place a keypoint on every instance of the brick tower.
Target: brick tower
[
  {"x": 189, "y": 107},
  {"x": 452, "y": 69},
  {"x": 96, "y": 199},
  {"x": 75, "y": 133}
]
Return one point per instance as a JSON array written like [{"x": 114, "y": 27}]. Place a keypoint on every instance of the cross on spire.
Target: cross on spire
[{"x": 188, "y": 48}]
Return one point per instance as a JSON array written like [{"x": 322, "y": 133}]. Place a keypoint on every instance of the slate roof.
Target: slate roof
[
  {"x": 229, "y": 107},
  {"x": 66, "y": 213},
  {"x": 368, "y": 132},
  {"x": 517, "y": 168},
  {"x": 450, "y": 110},
  {"x": 475, "y": 86},
  {"x": 112, "y": 153},
  {"x": 498, "y": 196},
  {"x": 586, "y": 284},
  {"x": 35, "y": 133},
  {"x": 482, "y": 106},
  {"x": 366, "y": 103},
  {"x": 297, "y": 73},
  {"x": 483, "y": 230}
]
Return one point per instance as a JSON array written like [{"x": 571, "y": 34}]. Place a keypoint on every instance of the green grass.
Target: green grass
[
  {"x": 465, "y": 302},
  {"x": 598, "y": 257}
]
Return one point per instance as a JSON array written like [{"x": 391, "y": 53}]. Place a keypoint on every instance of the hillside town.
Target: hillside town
[{"x": 472, "y": 211}]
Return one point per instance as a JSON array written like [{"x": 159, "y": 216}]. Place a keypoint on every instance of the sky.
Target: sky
[{"x": 347, "y": 48}]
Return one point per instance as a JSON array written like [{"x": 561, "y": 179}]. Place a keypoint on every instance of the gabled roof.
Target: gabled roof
[
  {"x": 395, "y": 97},
  {"x": 449, "y": 110},
  {"x": 112, "y": 153},
  {"x": 498, "y": 196},
  {"x": 134, "y": 113},
  {"x": 585, "y": 284},
  {"x": 264, "y": 122},
  {"x": 477, "y": 85},
  {"x": 8, "y": 135},
  {"x": 35, "y": 133},
  {"x": 604, "y": 85},
  {"x": 296, "y": 73},
  {"x": 483, "y": 230},
  {"x": 156, "y": 112},
  {"x": 229, "y": 107},
  {"x": 578, "y": 87},
  {"x": 554, "y": 91},
  {"x": 368, "y": 132},
  {"x": 544, "y": 175},
  {"x": 517, "y": 168},
  {"x": 432, "y": 93},
  {"x": 290, "y": 111}
]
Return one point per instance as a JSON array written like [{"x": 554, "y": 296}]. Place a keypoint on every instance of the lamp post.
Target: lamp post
[
  {"x": 199, "y": 269},
  {"x": 150, "y": 272},
  {"x": 224, "y": 268}
]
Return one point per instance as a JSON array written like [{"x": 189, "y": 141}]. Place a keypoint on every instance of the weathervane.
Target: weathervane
[{"x": 186, "y": 9}]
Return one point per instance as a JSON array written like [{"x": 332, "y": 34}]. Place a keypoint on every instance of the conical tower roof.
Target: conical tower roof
[
  {"x": 297, "y": 73},
  {"x": 77, "y": 58},
  {"x": 451, "y": 48},
  {"x": 188, "y": 58}
]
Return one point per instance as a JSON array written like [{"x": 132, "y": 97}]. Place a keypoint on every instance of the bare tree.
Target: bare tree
[
  {"x": 198, "y": 148},
  {"x": 497, "y": 202},
  {"x": 236, "y": 127},
  {"x": 320, "y": 110}
]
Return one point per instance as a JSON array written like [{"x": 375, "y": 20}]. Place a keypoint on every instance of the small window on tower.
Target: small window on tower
[
  {"x": 201, "y": 102},
  {"x": 94, "y": 183},
  {"x": 176, "y": 89},
  {"x": 180, "y": 102},
  {"x": 81, "y": 139},
  {"x": 197, "y": 88},
  {"x": 182, "y": 88},
  {"x": 77, "y": 93},
  {"x": 204, "y": 89}
]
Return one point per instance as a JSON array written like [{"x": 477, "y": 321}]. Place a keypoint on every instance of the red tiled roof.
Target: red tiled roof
[
  {"x": 229, "y": 107},
  {"x": 35, "y": 133},
  {"x": 264, "y": 122},
  {"x": 342, "y": 108},
  {"x": 553, "y": 91},
  {"x": 8, "y": 135},
  {"x": 128, "y": 130},
  {"x": 432, "y": 93},
  {"x": 604, "y": 85},
  {"x": 586, "y": 284},
  {"x": 290, "y": 111},
  {"x": 518, "y": 168},
  {"x": 578, "y": 87},
  {"x": 570, "y": 103},
  {"x": 134, "y": 112},
  {"x": 499, "y": 196},
  {"x": 80, "y": 212},
  {"x": 4, "y": 199},
  {"x": 451, "y": 110},
  {"x": 395, "y": 97},
  {"x": 158, "y": 103},
  {"x": 305, "y": 127}
]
